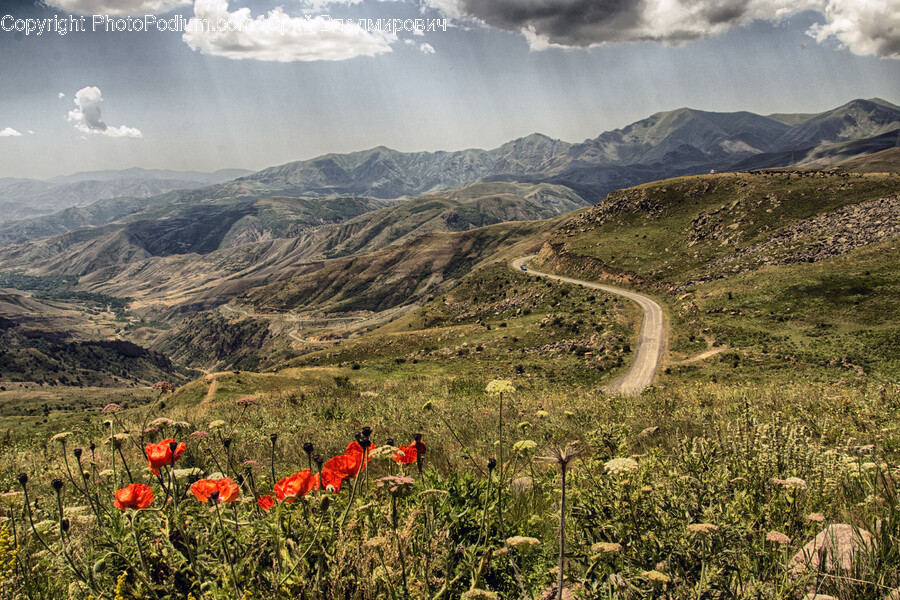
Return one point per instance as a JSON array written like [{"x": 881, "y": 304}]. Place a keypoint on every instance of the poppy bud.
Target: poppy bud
[
  {"x": 86, "y": 475},
  {"x": 308, "y": 448},
  {"x": 239, "y": 479},
  {"x": 77, "y": 452},
  {"x": 56, "y": 484},
  {"x": 389, "y": 441},
  {"x": 366, "y": 432},
  {"x": 226, "y": 442},
  {"x": 325, "y": 502},
  {"x": 317, "y": 458},
  {"x": 492, "y": 463},
  {"x": 64, "y": 524},
  {"x": 23, "y": 479},
  {"x": 93, "y": 446},
  {"x": 365, "y": 443},
  {"x": 273, "y": 437},
  {"x": 417, "y": 437},
  {"x": 357, "y": 436}
]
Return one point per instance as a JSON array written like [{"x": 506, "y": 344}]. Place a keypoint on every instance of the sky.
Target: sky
[{"x": 210, "y": 84}]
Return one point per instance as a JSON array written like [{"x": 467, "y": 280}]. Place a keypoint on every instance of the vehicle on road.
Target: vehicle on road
[{"x": 524, "y": 268}]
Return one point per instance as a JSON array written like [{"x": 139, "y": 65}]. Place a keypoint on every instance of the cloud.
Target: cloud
[
  {"x": 61, "y": 95},
  {"x": 426, "y": 48},
  {"x": 10, "y": 132},
  {"x": 278, "y": 37},
  {"x": 118, "y": 7},
  {"x": 863, "y": 26},
  {"x": 87, "y": 117}
]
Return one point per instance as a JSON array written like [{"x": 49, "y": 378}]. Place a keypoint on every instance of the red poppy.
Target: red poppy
[
  {"x": 227, "y": 489},
  {"x": 345, "y": 465},
  {"x": 294, "y": 486},
  {"x": 331, "y": 480},
  {"x": 136, "y": 495},
  {"x": 408, "y": 454},
  {"x": 266, "y": 502},
  {"x": 161, "y": 455}
]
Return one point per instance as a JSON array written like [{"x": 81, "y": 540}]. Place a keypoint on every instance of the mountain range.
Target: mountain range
[
  {"x": 377, "y": 229},
  {"x": 29, "y": 198}
]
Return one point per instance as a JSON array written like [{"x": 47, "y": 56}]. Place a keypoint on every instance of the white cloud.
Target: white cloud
[
  {"x": 278, "y": 37},
  {"x": 61, "y": 95},
  {"x": 10, "y": 132},
  {"x": 862, "y": 26},
  {"x": 30, "y": 132},
  {"x": 865, "y": 27},
  {"x": 88, "y": 119},
  {"x": 118, "y": 7},
  {"x": 426, "y": 48}
]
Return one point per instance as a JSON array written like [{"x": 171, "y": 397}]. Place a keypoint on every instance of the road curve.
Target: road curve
[{"x": 651, "y": 344}]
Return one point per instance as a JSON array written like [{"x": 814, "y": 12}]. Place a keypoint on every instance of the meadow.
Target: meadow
[{"x": 695, "y": 489}]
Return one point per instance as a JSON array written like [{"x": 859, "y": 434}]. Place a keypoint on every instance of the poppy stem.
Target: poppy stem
[
  {"x": 137, "y": 543},
  {"x": 127, "y": 470},
  {"x": 234, "y": 582}
]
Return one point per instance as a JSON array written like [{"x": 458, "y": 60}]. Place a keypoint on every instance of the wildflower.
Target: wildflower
[
  {"x": 162, "y": 454},
  {"x": 606, "y": 548},
  {"x": 111, "y": 408},
  {"x": 385, "y": 451},
  {"x": 523, "y": 543},
  {"x": 620, "y": 466},
  {"x": 61, "y": 437},
  {"x": 225, "y": 489},
  {"x": 702, "y": 528},
  {"x": 217, "y": 424},
  {"x": 791, "y": 483},
  {"x": 396, "y": 485},
  {"x": 408, "y": 454},
  {"x": 181, "y": 425},
  {"x": 136, "y": 495},
  {"x": 330, "y": 480},
  {"x": 776, "y": 537},
  {"x": 500, "y": 386},
  {"x": 345, "y": 465},
  {"x": 815, "y": 517},
  {"x": 199, "y": 435},
  {"x": 247, "y": 464},
  {"x": 294, "y": 486},
  {"x": 247, "y": 402},
  {"x": 479, "y": 594},
  {"x": 655, "y": 576},
  {"x": 186, "y": 473},
  {"x": 164, "y": 386},
  {"x": 162, "y": 422},
  {"x": 266, "y": 502},
  {"x": 542, "y": 414},
  {"x": 524, "y": 446},
  {"x": 524, "y": 425}
]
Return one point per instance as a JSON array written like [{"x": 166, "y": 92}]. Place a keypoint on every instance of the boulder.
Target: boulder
[{"x": 835, "y": 548}]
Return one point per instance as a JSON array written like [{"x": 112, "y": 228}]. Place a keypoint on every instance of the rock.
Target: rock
[{"x": 835, "y": 548}]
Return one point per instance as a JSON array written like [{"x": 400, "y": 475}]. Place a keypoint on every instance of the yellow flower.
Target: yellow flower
[{"x": 500, "y": 386}]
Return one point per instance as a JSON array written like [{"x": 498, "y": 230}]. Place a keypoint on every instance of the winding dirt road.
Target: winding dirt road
[{"x": 652, "y": 341}]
